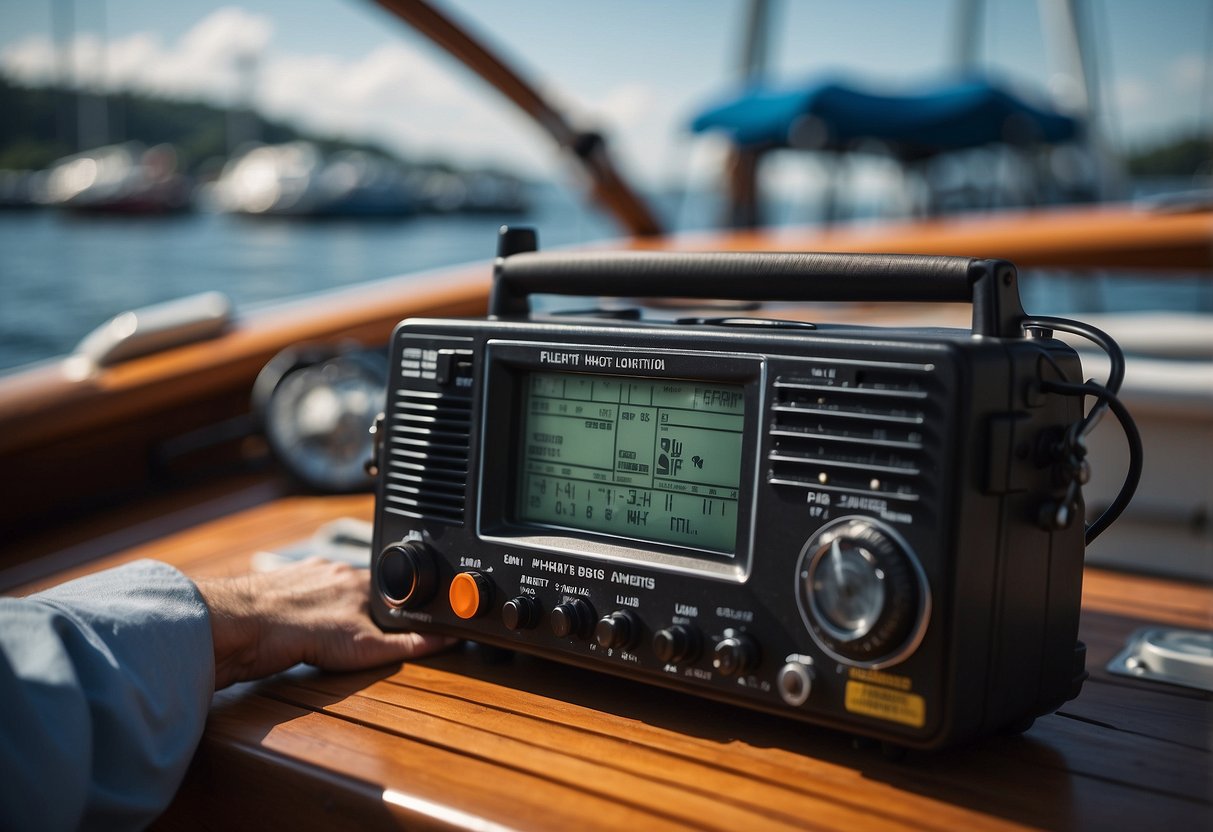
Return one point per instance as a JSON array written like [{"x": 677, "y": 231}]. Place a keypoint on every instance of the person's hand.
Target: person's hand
[{"x": 315, "y": 611}]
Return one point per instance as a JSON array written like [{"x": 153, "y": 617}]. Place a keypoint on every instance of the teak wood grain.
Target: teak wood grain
[{"x": 477, "y": 740}]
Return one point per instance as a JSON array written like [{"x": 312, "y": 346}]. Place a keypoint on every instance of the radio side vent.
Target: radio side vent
[
  {"x": 427, "y": 456},
  {"x": 865, "y": 432}
]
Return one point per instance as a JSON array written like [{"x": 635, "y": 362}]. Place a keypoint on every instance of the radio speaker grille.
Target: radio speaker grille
[
  {"x": 866, "y": 434},
  {"x": 427, "y": 461}
]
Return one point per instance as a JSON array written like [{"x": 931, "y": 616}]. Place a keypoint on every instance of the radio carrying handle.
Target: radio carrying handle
[{"x": 990, "y": 285}]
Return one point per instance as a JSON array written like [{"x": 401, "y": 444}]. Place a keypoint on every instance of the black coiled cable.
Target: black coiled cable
[{"x": 1107, "y": 399}]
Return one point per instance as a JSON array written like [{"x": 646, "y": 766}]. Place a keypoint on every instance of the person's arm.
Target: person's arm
[
  {"x": 105, "y": 682},
  {"x": 315, "y": 612},
  {"x": 104, "y": 688}
]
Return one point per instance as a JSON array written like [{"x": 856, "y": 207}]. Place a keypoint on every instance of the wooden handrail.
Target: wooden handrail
[{"x": 1087, "y": 237}]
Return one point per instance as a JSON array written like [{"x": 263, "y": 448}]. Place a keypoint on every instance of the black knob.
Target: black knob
[
  {"x": 520, "y": 613},
  {"x": 620, "y": 630},
  {"x": 677, "y": 643},
  {"x": 572, "y": 618},
  {"x": 865, "y": 594},
  {"x": 735, "y": 655},
  {"x": 405, "y": 574}
]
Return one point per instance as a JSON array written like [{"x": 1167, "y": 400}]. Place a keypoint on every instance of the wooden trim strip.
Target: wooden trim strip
[
  {"x": 1104, "y": 237},
  {"x": 1153, "y": 599},
  {"x": 336, "y": 750},
  {"x": 597, "y": 762}
]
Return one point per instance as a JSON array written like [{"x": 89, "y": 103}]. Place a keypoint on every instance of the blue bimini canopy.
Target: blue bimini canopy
[{"x": 833, "y": 114}]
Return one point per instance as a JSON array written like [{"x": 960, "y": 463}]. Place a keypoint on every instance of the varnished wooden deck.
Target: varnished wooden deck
[{"x": 477, "y": 741}]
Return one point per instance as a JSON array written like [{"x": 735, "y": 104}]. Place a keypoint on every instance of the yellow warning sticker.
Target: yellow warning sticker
[{"x": 886, "y": 703}]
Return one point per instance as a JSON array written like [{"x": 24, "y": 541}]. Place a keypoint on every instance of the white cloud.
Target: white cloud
[
  {"x": 1187, "y": 73},
  {"x": 401, "y": 97},
  {"x": 128, "y": 59},
  {"x": 205, "y": 62},
  {"x": 1131, "y": 94},
  {"x": 1154, "y": 106},
  {"x": 645, "y": 128},
  {"x": 628, "y": 105},
  {"x": 32, "y": 61},
  {"x": 395, "y": 94},
  {"x": 227, "y": 33}
]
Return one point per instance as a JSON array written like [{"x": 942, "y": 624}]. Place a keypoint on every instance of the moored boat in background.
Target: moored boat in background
[
  {"x": 297, "y": 180},
  {"x": 118, "y": 179}
]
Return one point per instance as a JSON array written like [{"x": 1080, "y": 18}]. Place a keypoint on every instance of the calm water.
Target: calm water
[{"x": 61, "y": 275}]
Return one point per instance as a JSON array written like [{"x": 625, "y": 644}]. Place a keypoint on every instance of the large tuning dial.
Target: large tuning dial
[{"x": 862, "y": 593}]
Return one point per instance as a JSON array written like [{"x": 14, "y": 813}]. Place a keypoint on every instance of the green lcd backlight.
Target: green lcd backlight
[{"x": 656, "y": 460}]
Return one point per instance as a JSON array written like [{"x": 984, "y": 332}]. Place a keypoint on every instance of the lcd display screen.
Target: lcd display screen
[{"x": 650, "y": 459}]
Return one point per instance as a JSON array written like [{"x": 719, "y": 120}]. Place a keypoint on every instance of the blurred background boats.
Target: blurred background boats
[
  {"x": 295, "y": 180},
  {"x": 123, "y": 178}
]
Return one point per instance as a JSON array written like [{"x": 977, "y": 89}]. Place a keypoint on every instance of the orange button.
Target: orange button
[{"x": 467, "y": 594}]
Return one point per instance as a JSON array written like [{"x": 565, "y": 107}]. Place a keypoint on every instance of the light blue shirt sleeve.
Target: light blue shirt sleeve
[{"x": 105, "y": 683}]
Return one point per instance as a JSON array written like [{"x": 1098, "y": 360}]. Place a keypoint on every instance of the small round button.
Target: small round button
[
  {"x": 519, "y": 613},
  {"x": 795, "y": 683},
  {"x": 470, "y": 594},
  {"x": 405, "y": 574},
  {"x": 617, "y": 630},
  {"x": 735, "y": 655},
  {"x": 572, "y": 618},
  {"x": 676, "y": 643}
]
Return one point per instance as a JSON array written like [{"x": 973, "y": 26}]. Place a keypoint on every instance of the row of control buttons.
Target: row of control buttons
[
  {"x": 735, "y": 654},
  {"x": 470, "y": 596},
  {"x": 406, "y": 580}
]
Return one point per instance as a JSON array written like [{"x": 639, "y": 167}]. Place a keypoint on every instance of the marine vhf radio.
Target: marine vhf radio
[{"x": 872, "y": 529}]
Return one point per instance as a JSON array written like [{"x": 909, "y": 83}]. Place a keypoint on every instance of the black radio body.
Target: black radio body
[{"x": 840, "y": 524}]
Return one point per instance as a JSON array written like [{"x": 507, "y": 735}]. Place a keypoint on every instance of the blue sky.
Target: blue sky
[{"x": 638, "y": 69}]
